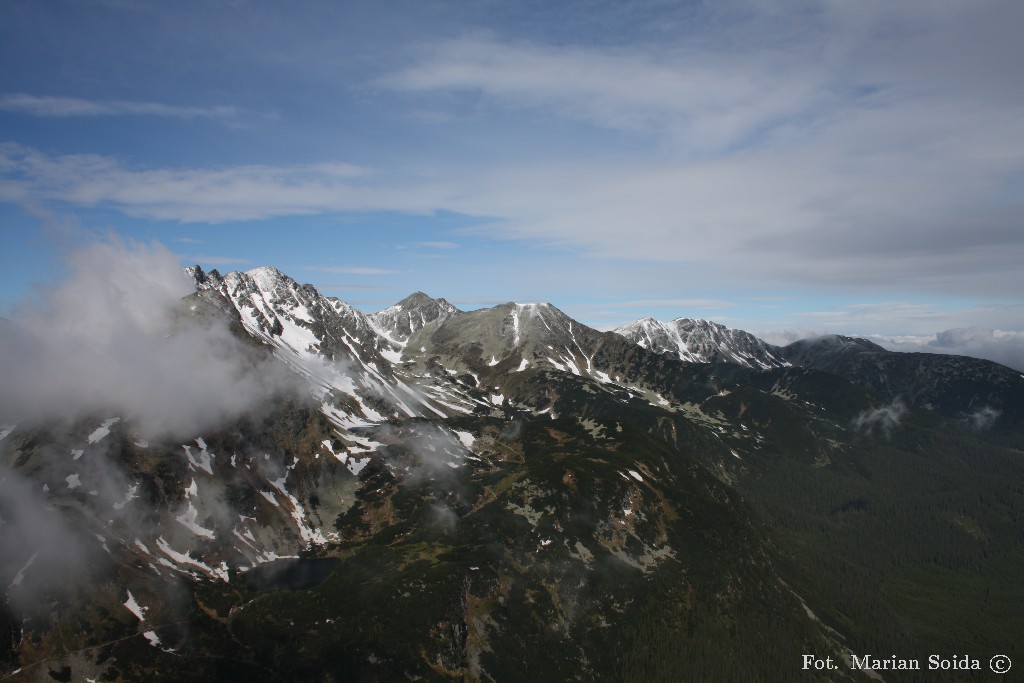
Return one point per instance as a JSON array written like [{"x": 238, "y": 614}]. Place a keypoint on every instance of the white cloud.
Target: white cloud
[
  {"x": 109, "y": 340},
  {"x": 799, "y": 143},
  {"x": 345, "y": 287},
  {"x": 715, "y": 103},
  {"x": 910, "y": 326},
  {"x": 210, "y": 195},
  {"x": 67, "y": 107},
  {"x": 983, "y": 418},
  {"x": 785, "y": 337},
  {"x": 1002, "y": 346},
  {"x": 869, "y": 145},
  {"x": 206, "y": 259},
  {"x": 682, "y": 304},
  {"x": 883, "y": 419},
  {"x": 350, "y": 270},
  {"x": 429, "y": 245}
]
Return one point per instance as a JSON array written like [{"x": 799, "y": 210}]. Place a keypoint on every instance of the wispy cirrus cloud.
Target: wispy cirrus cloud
[
  {"x": 350, "y": 270},
  {"x": 209, "y": 260},
  {"x": 713, "y": 101},
  {"x": 847, "y": 145},
  {"x": 673, "y": 303},
  {"x": 838, "y": 143},
  {"x": 205, "y": 195},
  {"x": 69, "y": 107},
  {"x": 428, "y": 245},
  {"x": 345, "y": 287}
]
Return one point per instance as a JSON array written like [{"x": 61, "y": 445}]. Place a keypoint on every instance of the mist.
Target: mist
[
  {"x": 113, "y": 338},
  {"x": 882, "y": 420},
  {"x": 42, "y": 550},
  {"x": 983, "y": 418}
]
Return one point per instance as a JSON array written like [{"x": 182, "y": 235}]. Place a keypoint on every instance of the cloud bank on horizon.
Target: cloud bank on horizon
[
  {"x": 785, "y": 164},
  {"x": 998, "y": 345}
]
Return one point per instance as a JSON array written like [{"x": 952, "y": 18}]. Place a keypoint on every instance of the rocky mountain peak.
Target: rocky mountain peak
[
  {"x": 697, "y": 340},
  {"x": 201, "y": 279},
  {"x": 271, "y": 280},
  {"x": 418, "y": 310}
]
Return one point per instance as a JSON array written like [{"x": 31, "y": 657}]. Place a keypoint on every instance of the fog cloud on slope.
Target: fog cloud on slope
[
  {"x": 982, "y": 419},
  {"x": 110, "y": 339},
  {"x": 882, "y": 420},
  {"x": 41, "y": 549}
]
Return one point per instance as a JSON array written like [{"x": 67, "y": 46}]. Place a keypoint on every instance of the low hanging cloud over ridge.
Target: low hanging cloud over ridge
[
  {"x": 1005, "y": 347},
  {"x": 112, "y": 339}
]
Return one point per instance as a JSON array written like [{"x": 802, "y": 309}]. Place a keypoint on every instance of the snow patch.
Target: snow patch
[
  {"x": 188, "y": 520},
  {"x": 20, "y": 576},
  {"x": 203, "y": 462},
  {"x": 128, "y": 497},
  {"x": 186, "y": 558},
  {"x": 134, "y": 607},
  {"x": 558, "y": 366},
  {"x": 466, "y": 438},
  {"x": 306, "y": 532},
  {"x": 103, "y": 430},
  {"x": 355, "y": 466}
]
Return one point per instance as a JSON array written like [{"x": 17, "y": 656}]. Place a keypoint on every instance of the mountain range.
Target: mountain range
[{"x": 491, "y": 494}]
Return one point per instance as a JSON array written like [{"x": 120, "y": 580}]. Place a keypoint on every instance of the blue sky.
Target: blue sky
[{"x": 787, "y": 167}]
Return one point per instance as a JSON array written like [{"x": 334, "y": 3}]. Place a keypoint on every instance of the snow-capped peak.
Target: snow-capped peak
[
  {"x": 413, "y": 313},
  {"x": 702, "y": 341}
]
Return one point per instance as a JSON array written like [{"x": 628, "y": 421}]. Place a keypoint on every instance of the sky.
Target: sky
[{"x": 788, "y": 167}]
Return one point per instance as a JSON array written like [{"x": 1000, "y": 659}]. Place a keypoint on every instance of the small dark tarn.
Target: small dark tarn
[{"x": 293, "y": 574}]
